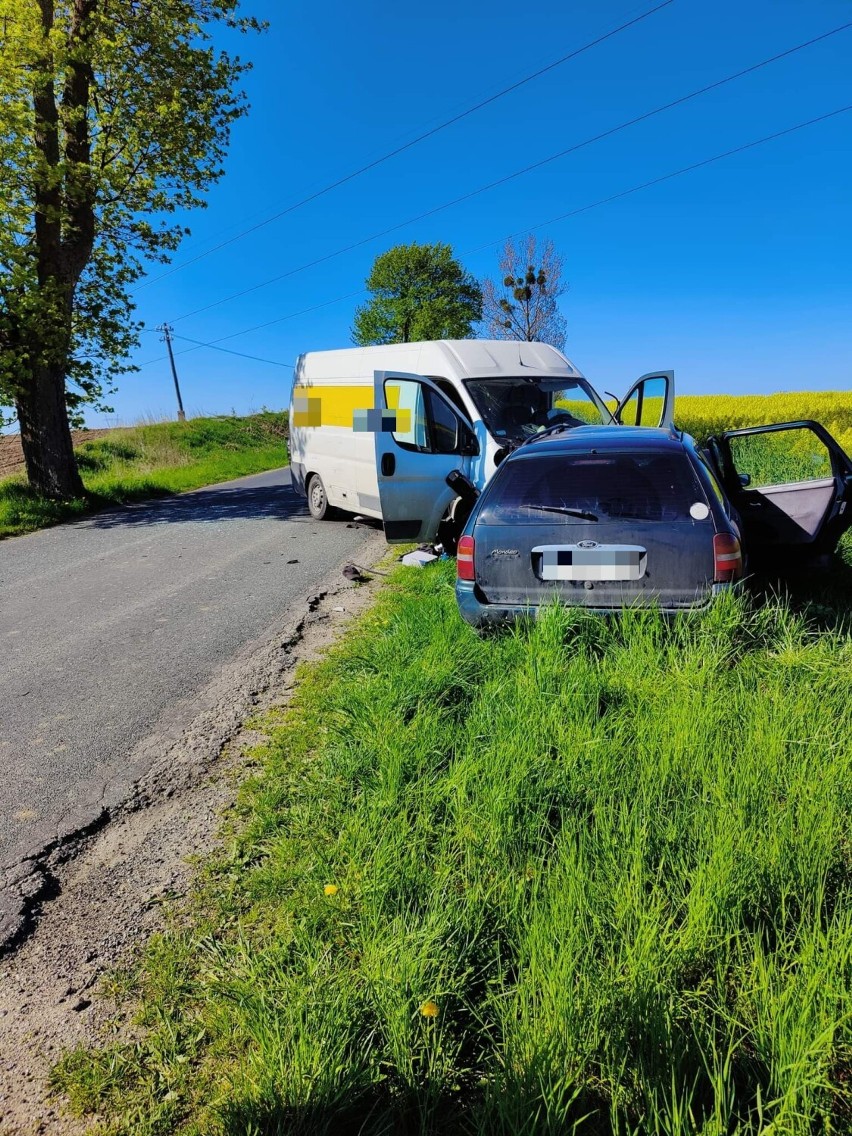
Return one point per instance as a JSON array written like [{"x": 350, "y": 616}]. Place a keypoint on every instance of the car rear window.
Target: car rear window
[{"x": 624, "y": 486}]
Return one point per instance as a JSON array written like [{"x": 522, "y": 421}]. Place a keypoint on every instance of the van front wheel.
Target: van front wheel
[{"x": 317, "y": 501}]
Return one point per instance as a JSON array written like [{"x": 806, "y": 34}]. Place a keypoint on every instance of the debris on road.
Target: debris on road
[
  {"x": 360, "y": 575},
  {"x": 419, "y": 559},
  {"x": 355, "y": 574}
]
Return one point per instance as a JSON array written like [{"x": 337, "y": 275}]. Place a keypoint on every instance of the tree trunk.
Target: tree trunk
[
  {"x": 62, "y": 198},
  {"x": 46, "y": 436}
]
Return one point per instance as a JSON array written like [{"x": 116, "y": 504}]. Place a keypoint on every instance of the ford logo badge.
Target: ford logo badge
[{"x": 587, "y": 544}]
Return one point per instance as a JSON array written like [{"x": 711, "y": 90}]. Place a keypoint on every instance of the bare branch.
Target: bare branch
[{"x": 523, "y": 305}]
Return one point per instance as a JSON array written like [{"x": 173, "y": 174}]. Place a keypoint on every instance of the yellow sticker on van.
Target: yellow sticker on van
[{"x": 349, "y": 407}]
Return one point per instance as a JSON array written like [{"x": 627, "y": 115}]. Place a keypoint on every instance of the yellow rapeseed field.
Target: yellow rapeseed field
[{"x": 703, "y": 415}]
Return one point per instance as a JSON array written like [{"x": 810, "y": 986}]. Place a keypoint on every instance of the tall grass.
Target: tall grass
[
  {"x": 592, "y": 876},
  {"x": 151, "y": 460}
]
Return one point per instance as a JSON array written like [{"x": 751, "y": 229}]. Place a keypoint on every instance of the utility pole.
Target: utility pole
[{"x": 167, "y": 335}]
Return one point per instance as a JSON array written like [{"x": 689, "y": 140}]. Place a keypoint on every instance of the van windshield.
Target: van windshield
[{"x": 517, "y": 408}]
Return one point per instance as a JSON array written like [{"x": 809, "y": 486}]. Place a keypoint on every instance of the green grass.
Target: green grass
[
  {"x": 615, "y": 854},
  {"x": 150, "y": 461},
  {"x": 781, "y": 457}
]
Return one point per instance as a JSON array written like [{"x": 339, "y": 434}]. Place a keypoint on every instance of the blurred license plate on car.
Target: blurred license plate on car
[{"x": 600, "y": 562}]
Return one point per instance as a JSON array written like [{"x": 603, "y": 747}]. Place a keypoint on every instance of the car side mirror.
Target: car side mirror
[{"x": 745, "y": 479}]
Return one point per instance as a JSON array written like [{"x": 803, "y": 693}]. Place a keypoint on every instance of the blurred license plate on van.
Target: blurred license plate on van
[{"x": 581, "y": 562}]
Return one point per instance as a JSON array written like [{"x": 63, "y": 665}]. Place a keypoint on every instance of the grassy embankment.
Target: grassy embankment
[
  {"x": 150, "y": 461},
  {"x": 592, "y": 876}
]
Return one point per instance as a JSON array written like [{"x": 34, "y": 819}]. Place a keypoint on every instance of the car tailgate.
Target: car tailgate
[{"x": 596, "y": 564}]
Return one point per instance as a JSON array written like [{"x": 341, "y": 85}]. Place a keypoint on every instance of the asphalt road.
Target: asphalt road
[{"x": 107, "y": 623}]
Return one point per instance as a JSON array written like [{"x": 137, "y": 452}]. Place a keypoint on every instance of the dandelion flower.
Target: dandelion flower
[
  {"x": 429, "y": 1009},
  {"x": 330, "y": 889}
]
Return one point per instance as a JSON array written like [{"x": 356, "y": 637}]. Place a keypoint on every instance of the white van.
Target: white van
[{"x": 376, "y": 430}]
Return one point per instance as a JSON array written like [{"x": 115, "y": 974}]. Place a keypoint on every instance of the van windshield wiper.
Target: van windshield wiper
[{"x": 582, "y": 513}]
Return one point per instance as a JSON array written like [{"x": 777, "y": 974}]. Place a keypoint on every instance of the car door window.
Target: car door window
[
  {"x": 446, "y": 388},
  {"x": 424, "y": 422},
  {"x": 443, "y": 425},
  {"x": 787, "y": 481},
  {"x": 645, "y": 405},
  {"x": 782, "y": 457},
  {"x": 791, "y": 484},
  {"x": 629, "y": 415},
  {"x": 406, "y": 398}
]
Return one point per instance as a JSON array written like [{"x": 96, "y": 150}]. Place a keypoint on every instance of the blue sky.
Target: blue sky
[{"x": 735, "y": 275}]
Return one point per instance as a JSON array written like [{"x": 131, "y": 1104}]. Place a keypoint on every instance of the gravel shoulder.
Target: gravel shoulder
[{"x": 102, "y": 895}]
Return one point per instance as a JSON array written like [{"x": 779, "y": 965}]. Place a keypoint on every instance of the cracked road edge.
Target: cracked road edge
[{"x": 180, "y": 750}]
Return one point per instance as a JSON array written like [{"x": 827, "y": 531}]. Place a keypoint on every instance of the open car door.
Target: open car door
[
  {"x": 649, "y": 402},
  {"x": 790, "y": 482},
  {"x": 420, "y": 438}
]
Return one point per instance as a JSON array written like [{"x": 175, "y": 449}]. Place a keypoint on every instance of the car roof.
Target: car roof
[{"x": 602, "y": 439}]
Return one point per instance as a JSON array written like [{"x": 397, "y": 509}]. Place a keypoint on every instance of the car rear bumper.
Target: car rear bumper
[{"x": 479, "y": 613}]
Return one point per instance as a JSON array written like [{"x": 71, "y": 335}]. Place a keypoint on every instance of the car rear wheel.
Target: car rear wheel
[{"x": 318, "y": 505}]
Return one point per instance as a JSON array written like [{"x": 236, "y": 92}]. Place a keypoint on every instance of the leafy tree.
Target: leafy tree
[
  {"x": 113, "y": 114},
  {"x": 524, "y": 305},
  {"x": 418, "y": 292}
]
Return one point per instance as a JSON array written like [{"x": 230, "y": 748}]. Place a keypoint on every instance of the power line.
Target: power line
[
  {"x": 519, "y": 173},
  {"x": 258, "y": 326},
  {"x": 667, "y": 177},
  {"x": 256, "y": 358},
  {"x": 583, "y": 208},
  {"x": 292, "y": 315},
  {"x": 408, "y": 145}
]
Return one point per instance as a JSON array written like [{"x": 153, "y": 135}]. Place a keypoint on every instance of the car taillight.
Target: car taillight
[
  {"x": 727, "y": 558},
  {"x": 464, "y": 558}
]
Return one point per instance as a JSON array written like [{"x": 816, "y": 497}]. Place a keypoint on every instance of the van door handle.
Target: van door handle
[{"x": 388, "y": 465}]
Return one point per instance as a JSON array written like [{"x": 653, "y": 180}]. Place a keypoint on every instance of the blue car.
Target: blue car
[{"x": 606, "y": 518}]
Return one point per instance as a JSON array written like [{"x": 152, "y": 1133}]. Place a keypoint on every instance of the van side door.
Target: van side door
[
  {"x": 790, "y": 482},
  {"x": 420, "y": 437}
]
